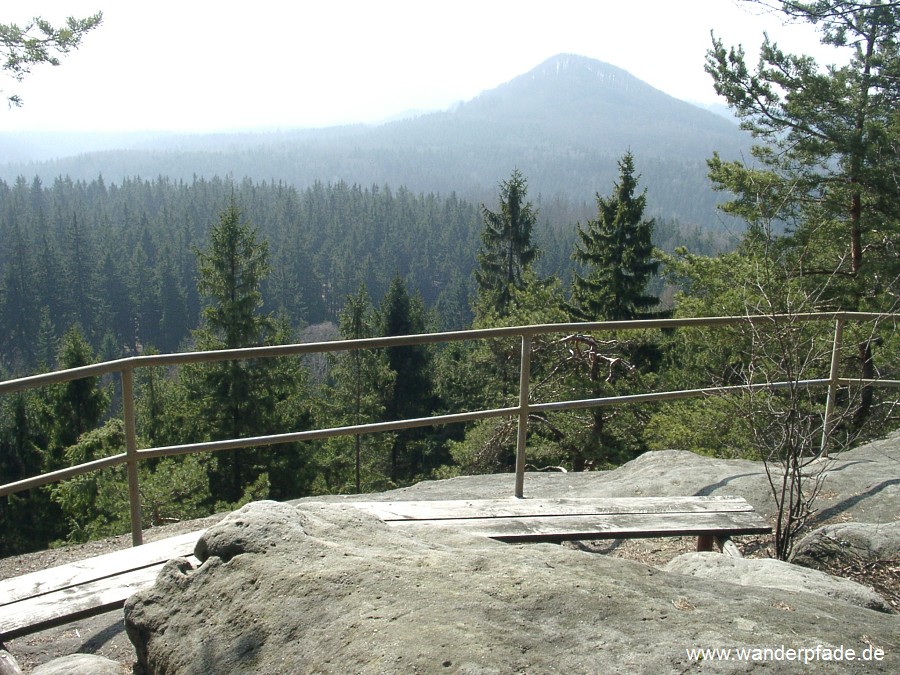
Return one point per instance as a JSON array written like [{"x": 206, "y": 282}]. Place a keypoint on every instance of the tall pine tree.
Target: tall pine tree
[
  {"x": 828, "y": 161},
  {"x": 231, "y": 271},
  {"x": 361, "y": 383},
  {"x": 29, "y": 520},
  {"x": 412, "y": 395},
  {"x": 76, "y": 407}
]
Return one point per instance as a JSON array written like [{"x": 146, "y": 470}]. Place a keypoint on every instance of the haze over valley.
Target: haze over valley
[{"x": 564, "y": 124}]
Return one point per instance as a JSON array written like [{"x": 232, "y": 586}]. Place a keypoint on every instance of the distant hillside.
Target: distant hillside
[
  {"x": 572, "y": 101},
  {"x": 564, "y": 124}
]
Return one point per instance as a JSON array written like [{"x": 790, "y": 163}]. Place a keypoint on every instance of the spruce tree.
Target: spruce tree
[
  {"x": 412, "y": 395},
  {"x": 29, "y": 520},
  {"x": 173, "y": 316},
  {"x": 231, "y": 271},
  {"x": 76, "y": 406},
  {"x": 18, "y": 320},
  {"x": 362, "y": 382},
  {"x": 617, "y": 252},
  {"x": 506, "y": 248},
  {"x": 80, "y": 276},
  {"x": 235, "y": 398},
  {"x": 117, "y": 316}
]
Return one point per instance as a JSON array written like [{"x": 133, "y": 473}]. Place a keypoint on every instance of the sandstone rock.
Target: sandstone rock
[
  {"x": 845, "y": 541},
  {"x": 258, "y": 527},
  {"x": 80, "y": 664},
  {"x": 327, "y": 588},
  {"x": 776, "y": 574},
  {"x": 471, "y": 605}
]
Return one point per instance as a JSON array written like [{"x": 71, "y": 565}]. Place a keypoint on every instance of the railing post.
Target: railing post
[
  {"x": 134, "y": 492},
  {"x": 524, "y": 382},
  {"x": 833, "y": 374}
]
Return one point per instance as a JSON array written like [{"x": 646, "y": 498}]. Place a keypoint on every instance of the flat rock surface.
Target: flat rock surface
[
  {"x": 772, "y": 573},
  {"x": 342, "y": 592},
  {"x": 351, "y": 595}
]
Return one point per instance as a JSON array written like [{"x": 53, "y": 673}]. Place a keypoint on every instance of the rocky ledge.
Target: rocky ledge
[{"x": 309, "y": 587}]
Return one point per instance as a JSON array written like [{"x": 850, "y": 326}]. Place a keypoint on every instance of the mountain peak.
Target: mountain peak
[
  {"x": 584, "y": 72},
  {"x": 588, "y": 87},
  {"x": 572, "y": 101},
  {"x": 573, "y": 64}
]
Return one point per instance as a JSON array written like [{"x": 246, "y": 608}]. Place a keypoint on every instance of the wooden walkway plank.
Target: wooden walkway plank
[
  {"x": 41, "y": 582},
  {"x": 71, "y": 604}
]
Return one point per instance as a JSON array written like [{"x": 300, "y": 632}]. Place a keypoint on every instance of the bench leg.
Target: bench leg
[{"x": 705, "y": 543}]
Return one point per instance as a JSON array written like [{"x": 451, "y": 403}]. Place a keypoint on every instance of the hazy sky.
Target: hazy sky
[{"x": 204, "y": 65}]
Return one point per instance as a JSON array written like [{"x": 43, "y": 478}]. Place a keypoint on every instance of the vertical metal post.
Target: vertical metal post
[
  {"x": 134, "y": 493},
  {"x": 524, "y": 382},
  {"x": 832, "y": 385}
]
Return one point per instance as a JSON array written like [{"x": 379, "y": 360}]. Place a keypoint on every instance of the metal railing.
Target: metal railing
[{"x": 133, "y": 455}]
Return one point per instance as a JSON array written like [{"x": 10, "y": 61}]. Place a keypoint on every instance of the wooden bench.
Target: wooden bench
[
  {"x": 553, "y": 520},
  {"x": 56, "y": 596}
]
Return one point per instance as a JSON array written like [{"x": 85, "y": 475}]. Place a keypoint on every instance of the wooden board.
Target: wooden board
[
  {"x": 605, "y": 526},
  {"x": 582, "y": 518},
  {"x": 518, "y": 508},
  {"x": 71, "y": 604},
  {"x": 110, "y": 564}
]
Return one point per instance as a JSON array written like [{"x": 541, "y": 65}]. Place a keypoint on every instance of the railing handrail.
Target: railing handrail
[
  {"x": 127, "y": 366},
  {"x": 299, "y": 349}
]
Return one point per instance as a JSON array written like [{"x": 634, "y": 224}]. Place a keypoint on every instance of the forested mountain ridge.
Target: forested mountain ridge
[
  {"x": 571, "y": 99},
  {"x": 564, "y": 124},
  {"x": 347, "y": 206}
]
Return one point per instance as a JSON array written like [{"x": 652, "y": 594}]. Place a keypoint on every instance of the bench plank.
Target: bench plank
[
  {"x": 518, "y": 508},
  {"x": 577, "y": 518},
  {"x": 602, "y": 526}
]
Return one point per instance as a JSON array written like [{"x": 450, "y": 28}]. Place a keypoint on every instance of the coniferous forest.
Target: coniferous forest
[
  {"x": 120, "y": 261},
  {"x": 94, "y": 271}
]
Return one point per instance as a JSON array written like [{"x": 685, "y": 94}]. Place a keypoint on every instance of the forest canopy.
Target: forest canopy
[{"x": 118, "y": 260}]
